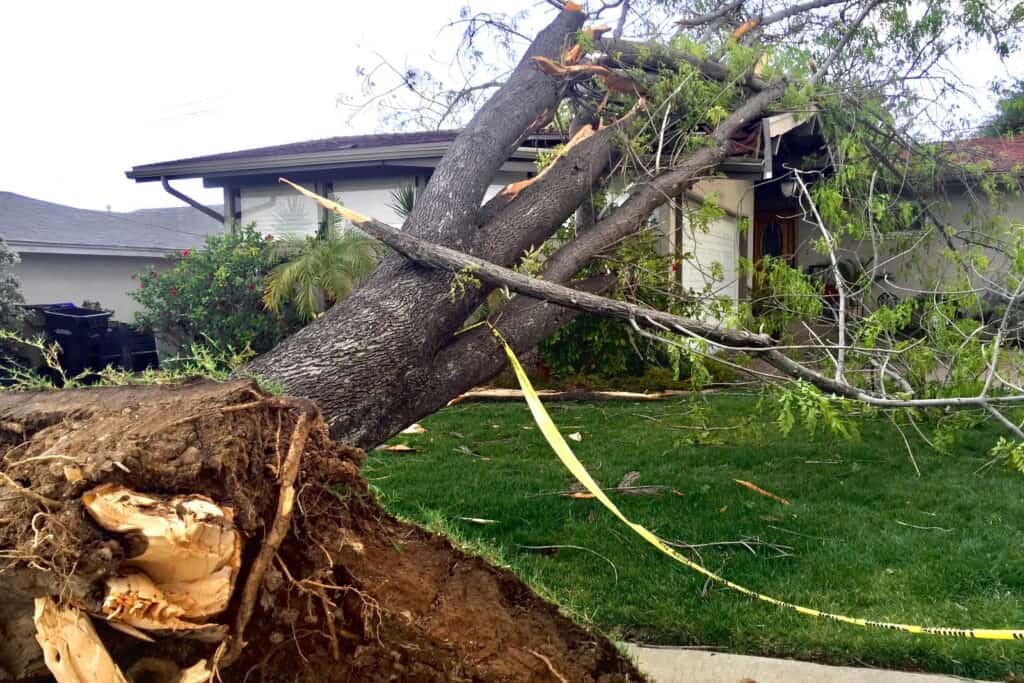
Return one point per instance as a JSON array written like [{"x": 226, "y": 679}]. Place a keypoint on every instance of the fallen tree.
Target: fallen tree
[
  {"x": 644, "y": 121},
  {"x": 318, "y": 582},
  {"x": 167, "y": 533}
]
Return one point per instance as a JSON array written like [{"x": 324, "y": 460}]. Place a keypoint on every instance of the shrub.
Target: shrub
[
  {"x": 10, "y": 288},
  {"x": 213, "y": 295},
  {"x": 595, "y": 345}
]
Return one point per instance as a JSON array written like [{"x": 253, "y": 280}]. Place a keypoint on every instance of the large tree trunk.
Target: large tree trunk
[
  {"x": 387, "y": 355},
  {"x": 367, "y": 362},
  {"x": 340, "y": 591}
]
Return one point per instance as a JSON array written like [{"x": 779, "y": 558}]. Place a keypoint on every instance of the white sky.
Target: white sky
[{"x": 91, "y": 89}]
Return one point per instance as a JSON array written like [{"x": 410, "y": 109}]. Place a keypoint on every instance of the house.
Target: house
[
  {"x": 73, "y": 255},
  {"x": 761, "y": 214},
  {"x": 363, "y": 171}
]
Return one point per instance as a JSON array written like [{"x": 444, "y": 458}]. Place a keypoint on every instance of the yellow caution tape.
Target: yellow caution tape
[{"x": 572, "y": 463}]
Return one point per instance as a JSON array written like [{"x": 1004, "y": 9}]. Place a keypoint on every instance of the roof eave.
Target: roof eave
[
  {"x": 305, "y": 161},
  {"x": 35, "y": 247}
]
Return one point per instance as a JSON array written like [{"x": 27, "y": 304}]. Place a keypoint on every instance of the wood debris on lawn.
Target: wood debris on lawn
[
  {"x": 396, "y": 448},
  {"x": 489, "y": 394},
  {"x": 478, "y": 520},
  {"x": 629, "y": 479},
  {"x": 757, "y": 489},
  {"x": 414, "y": 428},
  {"x": 626, "y": 486}
]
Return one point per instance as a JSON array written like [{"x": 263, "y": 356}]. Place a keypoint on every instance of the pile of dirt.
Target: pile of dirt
[{"x": 350, "y": 594}]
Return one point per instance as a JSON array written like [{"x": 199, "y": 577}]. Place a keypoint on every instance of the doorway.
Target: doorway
[{"x": 775, "y": 236}]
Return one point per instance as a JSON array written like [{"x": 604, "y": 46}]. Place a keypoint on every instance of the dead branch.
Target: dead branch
[{"x": 28, "y": 493}]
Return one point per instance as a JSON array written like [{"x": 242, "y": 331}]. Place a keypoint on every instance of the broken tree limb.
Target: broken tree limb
[
  {"x": 443, "y": 258},
  {"x": 654, "y": 55},
  {"x": 491, "y": 394},
  {"x": 437, "y": 256}
]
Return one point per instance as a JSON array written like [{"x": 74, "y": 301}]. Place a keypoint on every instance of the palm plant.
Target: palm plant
[
  {"x": 316, "y": 272},
  {"x": 402, "y": 200}
]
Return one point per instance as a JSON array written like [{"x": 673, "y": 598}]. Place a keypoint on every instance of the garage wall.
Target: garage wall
[
  {"x": 718, "y": 246},
  {"x": 57, "y": 278}
]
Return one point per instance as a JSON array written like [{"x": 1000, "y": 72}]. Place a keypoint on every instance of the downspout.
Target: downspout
[{"x": 191, "y": 202}]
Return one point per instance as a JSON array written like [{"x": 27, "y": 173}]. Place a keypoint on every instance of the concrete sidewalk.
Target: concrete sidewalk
[{"x": 676, "y": 665}]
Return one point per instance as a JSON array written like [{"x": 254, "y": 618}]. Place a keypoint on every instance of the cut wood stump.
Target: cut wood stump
[{"x": 170, "y": 533}]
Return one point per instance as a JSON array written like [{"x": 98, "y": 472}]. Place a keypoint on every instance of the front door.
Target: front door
[{"x": 775, "y": 235}]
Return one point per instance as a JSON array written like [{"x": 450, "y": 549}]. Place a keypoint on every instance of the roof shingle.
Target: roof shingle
[{"x": 45, "y": 226}]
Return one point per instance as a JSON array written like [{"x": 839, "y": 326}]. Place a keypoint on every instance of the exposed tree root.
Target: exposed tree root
[{"x": 329, "y": 587}]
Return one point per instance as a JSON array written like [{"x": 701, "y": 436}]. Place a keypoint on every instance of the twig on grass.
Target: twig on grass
[
  {"x": 645, "y": 489},
  {"x": 757, "y": 489},
  {"x": 910, "y": 451},
  {"x": 925, "y": 528},
  {"x": 795, "y": 533},
  {"x": 615, "y": 569},
  {"x": 748, "y": 543}
]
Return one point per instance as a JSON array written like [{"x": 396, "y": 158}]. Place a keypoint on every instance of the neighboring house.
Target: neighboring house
[{"x": 75, "y": 255}]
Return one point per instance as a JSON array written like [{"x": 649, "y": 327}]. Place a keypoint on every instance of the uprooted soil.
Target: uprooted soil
[{"x": 352, "y": 595}]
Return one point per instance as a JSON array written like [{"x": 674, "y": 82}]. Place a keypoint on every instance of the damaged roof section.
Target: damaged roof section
[{"x": 424, "y": 150}]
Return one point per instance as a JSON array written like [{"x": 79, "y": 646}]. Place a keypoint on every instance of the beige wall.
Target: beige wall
[{"x": 55, "y": 278}]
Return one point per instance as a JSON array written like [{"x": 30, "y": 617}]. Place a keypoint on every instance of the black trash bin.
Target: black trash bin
[
  {"x": 129, "y": 349},
  {"x": 80, "y": 333}
]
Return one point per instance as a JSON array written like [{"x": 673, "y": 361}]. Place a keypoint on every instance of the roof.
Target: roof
[
  {"x": 422, "y": 148},
  {"x": 36, "y": 226},
  {"x": 1005, "y": 153}
]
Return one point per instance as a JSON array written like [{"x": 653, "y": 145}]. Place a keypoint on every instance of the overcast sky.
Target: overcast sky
[{"x": 93, "y": 88}]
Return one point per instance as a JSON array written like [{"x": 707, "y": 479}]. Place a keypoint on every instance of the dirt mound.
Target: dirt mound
[{"x": 350, "y": 594}]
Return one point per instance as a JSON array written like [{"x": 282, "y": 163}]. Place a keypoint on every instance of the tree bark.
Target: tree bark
[{"x": 365, "y": 361}]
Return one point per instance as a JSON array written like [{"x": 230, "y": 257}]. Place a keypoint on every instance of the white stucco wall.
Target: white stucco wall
[
  {"x": 278, "y": 210},
  {"x": 372, "y": 196},
  {"x": 56, "y": 278}
]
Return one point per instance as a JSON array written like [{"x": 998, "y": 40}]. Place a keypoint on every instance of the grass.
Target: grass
[{"x": 866, "y": 537}]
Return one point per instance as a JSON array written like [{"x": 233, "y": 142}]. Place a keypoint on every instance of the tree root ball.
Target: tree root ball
[{"x": 328, "y": 586}]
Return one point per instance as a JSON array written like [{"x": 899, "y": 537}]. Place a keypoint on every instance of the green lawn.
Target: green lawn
[{"x": 863, "y": 535}]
